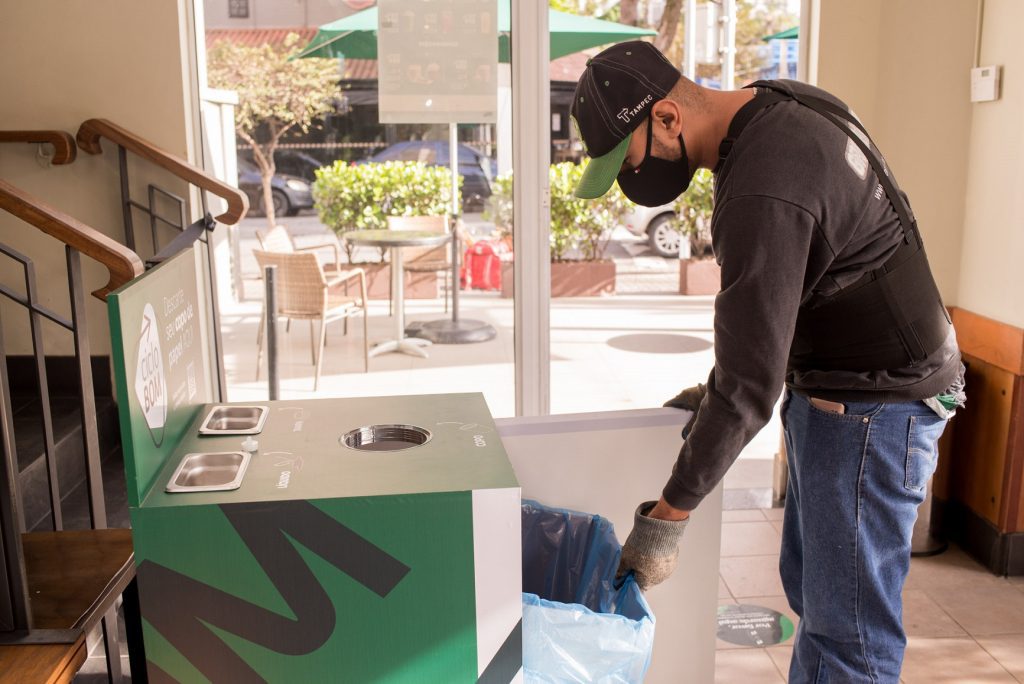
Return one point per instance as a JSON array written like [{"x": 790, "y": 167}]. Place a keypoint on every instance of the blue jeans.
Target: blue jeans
[{"x": 855, "y": 482}]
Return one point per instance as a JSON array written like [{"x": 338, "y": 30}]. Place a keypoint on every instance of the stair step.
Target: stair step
[
  {"x": 75, "y": 503},
  {"x": 69, "y": 451}
]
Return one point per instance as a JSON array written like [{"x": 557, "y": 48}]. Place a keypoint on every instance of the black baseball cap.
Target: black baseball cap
[{"x": 613, "y": 97}]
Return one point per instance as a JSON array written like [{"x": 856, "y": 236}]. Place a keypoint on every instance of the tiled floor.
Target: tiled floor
[{"x": 963, "y": 624}]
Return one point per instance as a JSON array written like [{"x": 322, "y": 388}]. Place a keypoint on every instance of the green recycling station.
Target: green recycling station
[{"x": 372, "y": 539}]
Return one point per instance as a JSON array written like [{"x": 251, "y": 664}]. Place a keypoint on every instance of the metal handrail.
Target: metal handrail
[
  {"x": 122, "y": 263},
  {"x": 90, "y": 132}
]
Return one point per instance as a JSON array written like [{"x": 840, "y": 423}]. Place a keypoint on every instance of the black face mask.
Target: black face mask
[{"x": 656, "y": 181}]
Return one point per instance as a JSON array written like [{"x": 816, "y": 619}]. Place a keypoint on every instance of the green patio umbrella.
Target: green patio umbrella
[
  {"x": 355, "y": 36},
  {"x": 788, "y": 34}
]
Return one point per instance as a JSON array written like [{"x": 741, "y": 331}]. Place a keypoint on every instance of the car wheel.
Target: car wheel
[
  {"x": 282, "y": 207},
  {"x": 663, "y": 236}
]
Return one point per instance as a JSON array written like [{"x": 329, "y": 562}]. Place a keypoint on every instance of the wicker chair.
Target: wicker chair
[
  {"x": 304, "y": 292},
  {"x": 278, "y": 239},
  {"x": 426, "y": 259}
]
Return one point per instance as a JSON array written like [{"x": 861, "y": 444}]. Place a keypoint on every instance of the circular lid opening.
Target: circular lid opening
[{"x": 385, "y": 437}]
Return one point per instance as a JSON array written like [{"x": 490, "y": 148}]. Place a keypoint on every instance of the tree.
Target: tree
[
  {"x": 754, "y": 21},
  {"x": 275, "y": 96},
  {"x": 628, "y": 12},
  {"x": 609, "y": 10},
  {"x": 668, "y": 27}
]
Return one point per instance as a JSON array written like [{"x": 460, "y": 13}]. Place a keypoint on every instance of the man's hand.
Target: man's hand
[
  {"x": 689, "y": 399},
  {"x": 652, "y": 546}
]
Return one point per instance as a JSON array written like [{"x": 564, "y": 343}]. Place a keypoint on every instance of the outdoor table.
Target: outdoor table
[{"x": 395, "y": 240}]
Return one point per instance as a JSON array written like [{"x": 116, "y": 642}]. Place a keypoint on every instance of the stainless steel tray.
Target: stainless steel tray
[
  {"x": 234, "y": 420},
  {"x": 214, "y": 471}
]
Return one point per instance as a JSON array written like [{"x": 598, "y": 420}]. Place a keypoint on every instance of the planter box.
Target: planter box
[
  {"x": 699, "y": 277},
  {"x": 417, "y": 285},
  {"x": 571, "y": 278}
]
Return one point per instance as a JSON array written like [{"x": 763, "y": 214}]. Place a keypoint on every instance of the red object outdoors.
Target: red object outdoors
[{"x": 483, "y": 267}]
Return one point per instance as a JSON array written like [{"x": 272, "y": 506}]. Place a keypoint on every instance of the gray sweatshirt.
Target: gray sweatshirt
[{"x": 798, "y": 214}]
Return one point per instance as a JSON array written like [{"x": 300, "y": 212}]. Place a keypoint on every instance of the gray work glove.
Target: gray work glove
[
  {"x": 651, "y": 549},
  {"x": 689, "y": 399}
]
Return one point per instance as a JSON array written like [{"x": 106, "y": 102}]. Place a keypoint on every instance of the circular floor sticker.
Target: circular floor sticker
[{"x": 748, "y": 625}]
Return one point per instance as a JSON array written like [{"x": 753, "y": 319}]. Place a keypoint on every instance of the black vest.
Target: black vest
[{"x": 893, "y": 316}]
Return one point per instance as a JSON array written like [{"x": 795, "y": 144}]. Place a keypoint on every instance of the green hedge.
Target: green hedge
[
  {"x": 360, "y": 197},
  {"x": 580, "y": 228},
  {"x": 693, "y": 211}
]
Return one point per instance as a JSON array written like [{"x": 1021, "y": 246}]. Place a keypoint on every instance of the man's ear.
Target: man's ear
[{"x": 668, "y": 116}]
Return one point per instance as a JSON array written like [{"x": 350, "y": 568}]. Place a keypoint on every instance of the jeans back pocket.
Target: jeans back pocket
[{"x": 922, "y": 449}]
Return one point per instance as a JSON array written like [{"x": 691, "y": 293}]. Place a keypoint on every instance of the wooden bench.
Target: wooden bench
[{"x": 74, "y": 579}]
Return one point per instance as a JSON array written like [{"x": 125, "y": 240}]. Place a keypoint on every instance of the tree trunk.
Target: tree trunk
[
  {"x": 263, "y": 155},
  {"x": 268, "y": 197},
  {"x": 669, "y": 25},
  {"x": 628, "y": 12}
]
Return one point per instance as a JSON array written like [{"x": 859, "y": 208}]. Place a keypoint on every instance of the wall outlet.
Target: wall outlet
[{"x": 985, "y": 83}]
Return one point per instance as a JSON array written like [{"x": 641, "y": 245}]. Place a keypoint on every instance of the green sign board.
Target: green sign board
[{"x": 160, "y": 331}]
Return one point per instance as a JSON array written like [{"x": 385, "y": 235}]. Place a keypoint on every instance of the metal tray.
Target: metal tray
[
  {"x": 234, "y": 420},
  {"x": 215, "y": 471}
]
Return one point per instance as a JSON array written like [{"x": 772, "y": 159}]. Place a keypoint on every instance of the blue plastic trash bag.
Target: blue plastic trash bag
[{"x": 579, "y": 623}]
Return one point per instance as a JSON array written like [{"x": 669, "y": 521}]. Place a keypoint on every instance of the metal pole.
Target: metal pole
[
  {"x": 453, "y": 161},
  {"x": 447, "y": 331},
  {"x": 729, "y": 47},
  {"x": 531, "y": 133},
  {"x": 90, "y": 432},
  {"x": 456, "y": 252},
  {"x": 15, "y": 613},
  {"x": 38, "y": 352},
  {"x": 270, "y": 277},
  {"x": 690, "y": 42},
  {"x": 126, "y": 199},
  {"x": 453, "y": 154}
]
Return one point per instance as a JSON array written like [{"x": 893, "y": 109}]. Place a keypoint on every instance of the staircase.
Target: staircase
[
  {"x": 69, "y": 445},
  {"x": 64, "y": 565}
]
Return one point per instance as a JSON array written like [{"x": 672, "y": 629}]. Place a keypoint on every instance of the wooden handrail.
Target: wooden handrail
[
  {"x": 122, "y": 263},
  {"x": 64, "y": 149},
  {"x": 90, "y": 132}
]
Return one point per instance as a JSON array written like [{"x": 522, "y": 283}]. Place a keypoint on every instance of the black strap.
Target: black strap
[
  {"x": 859, "y": 321},
  {"x": 916, "y": 346},
  {"x": 833, "y": 113},
  {"x": 742, "y": 117},
  {"x": 183, "y": 240}
]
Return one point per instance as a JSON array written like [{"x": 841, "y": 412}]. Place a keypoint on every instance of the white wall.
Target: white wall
[
  {"x": 903, "y": 66},
  {"x": 923, "y": 119},
  {"x": 992, "y": 263},
  {"x": 848, "y": 57},
  {"x": 65, "y": 61}
]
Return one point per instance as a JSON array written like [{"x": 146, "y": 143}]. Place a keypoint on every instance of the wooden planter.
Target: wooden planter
[
  {"x": 571, "y": 278},
  {"x": 699, "y": 277},
  {"x": 417, "y": 285}
]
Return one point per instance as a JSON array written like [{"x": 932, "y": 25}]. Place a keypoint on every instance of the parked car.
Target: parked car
[
  {"x": 477, "y": 170},
  {"x": 290, "y": 163},
  {"x": 657, "y": 224},
  {"x": 290, "y": 193}
]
